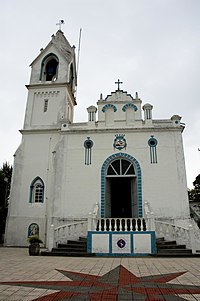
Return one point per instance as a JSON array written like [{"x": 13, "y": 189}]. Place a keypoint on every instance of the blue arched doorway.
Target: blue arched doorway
[{"x": 121, "y": 187}]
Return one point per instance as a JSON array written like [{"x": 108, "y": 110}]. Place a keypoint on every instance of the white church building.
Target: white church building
[{"x": 118, "y": 178}]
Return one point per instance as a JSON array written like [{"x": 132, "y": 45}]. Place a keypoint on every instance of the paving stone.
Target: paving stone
[{"x": 95, "y": 279}]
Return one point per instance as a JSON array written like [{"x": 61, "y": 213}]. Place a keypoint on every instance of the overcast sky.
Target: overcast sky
[{"x": 153, "y": 46}]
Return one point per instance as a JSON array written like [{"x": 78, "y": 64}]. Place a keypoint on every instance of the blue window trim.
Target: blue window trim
[
  {"x": 138, "y": 174},
  {"x": 88, "y": 144},
  {"x": 129, "y": 105},
  {"x": 37, "y": 179},
  {"x": 152, "y": 142},
  {"x": 107, "y": 106}
]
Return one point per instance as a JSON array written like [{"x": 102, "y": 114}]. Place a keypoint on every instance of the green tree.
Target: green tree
[
  {"x": 194, "y": 194},
  {"x": 5, "y": 181}
]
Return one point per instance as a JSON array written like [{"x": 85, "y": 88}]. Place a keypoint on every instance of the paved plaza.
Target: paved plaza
[{"x": 24, "y": 277}]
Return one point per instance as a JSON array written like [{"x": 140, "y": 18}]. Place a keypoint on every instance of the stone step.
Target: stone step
[
  {"x": 170, "y": 246},
  {"x": 175, "y": 255},
  {"x": 76, "y": 242},
  {"x": 72, "y": 245},
  {"x": 171, "y": 249},
  {"x": 166, "y": 242},
  {"x": 67, "y": 254},
  {"x": 174, "y": 251},
  {"x": 71, "y": 248}
]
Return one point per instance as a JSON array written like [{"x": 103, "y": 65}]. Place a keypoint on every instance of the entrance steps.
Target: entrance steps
[
  {"x": 73, "y": 248},
  {"x": 78, "y": 248},
  {"x": 171, "y": 249}
]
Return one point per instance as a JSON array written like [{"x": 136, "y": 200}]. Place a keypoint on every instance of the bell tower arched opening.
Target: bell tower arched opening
[
  {"x": 71, "y": 77},
  {"x": 49, "y": 68},
  {"x": 121, "y": 191}
]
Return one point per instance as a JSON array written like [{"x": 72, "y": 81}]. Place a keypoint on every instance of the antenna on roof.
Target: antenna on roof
[
  {"x": 79, "y": 48},
  {"x": 60, "y": 23}
]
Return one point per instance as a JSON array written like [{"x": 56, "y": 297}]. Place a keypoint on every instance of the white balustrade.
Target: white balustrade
[
  {"x": 149, "y": 217},
  {"x": 175, "y": 232},
  {"x": 70, "y": 231},
  {"x": 164, "y": 229},
  {"x": 189, "y": 236},
  {"x": 121, "y": 224}
]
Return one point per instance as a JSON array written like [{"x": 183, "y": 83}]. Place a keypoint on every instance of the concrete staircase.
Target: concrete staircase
[
  {"x": 76, "y": 248},
  {"x": 171, "y": 249}
]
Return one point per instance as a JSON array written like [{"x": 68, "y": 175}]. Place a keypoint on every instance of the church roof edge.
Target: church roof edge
[
  {"x": 57, "y": 39},
  {"x": 120, "y": 92}
]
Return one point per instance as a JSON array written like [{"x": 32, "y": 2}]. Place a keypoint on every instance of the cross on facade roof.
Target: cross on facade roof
[
  {"x": 118, "y": 83},
  {"x": 60, "y": 23}
]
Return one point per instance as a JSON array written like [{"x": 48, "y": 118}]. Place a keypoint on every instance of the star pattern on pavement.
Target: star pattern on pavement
[{"x": 117, "y": 285}]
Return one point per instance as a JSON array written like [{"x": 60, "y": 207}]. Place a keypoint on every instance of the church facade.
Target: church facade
[{"x": 119, "y": 164}]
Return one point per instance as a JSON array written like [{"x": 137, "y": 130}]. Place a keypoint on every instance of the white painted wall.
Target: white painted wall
[
  {"x": 72, "y": 188},
  {"x": 55, "y": 153}
]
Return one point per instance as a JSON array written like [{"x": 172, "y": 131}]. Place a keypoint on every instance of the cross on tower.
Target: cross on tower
[
  {"x": 60, "y": 23},
  {"x": 118, "y": 83}
]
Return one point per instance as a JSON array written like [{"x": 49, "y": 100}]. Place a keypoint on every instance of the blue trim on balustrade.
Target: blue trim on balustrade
[
  {"x": 131, "y": 233},
  {"x": 110, "y": 244},
  {"x": 153, "y": 242},
  {"x": 132, "y": 244},
  {"x": 89, "y": 242}
]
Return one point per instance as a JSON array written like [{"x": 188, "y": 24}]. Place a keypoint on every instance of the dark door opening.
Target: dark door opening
[{"x": 121, "y": 197}]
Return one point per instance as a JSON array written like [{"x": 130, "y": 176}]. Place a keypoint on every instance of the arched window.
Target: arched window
[
  {"x": 37, "y": 191},
  {"x": 120, "y": 167},
  {"x": 49, "y": 68}
]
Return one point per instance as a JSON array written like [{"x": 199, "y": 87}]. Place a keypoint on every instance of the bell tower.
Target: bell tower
[{"x": 51, "y": 91}]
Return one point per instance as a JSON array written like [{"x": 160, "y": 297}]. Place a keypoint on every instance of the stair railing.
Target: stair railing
[
  {"x": 149, "y": 217},
  {"x": 70, "y": 231},
  {"x": 189, "y": 236},
  {"x": 93, "y": 218},
  {"x": 182, "y": 235}
]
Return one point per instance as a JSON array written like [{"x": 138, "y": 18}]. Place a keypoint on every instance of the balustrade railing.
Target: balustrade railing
[
  {"x": 70, "y": 231},
  {"x": 149, "y": 222},
  {"x": 121, "y": 224},
  {"x": 171, "y": 231},
  {"x": 181, "y": 234}
]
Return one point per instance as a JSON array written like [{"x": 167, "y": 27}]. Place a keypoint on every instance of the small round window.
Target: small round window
[
  {"x": 152, "y": 142},
  {"x": 88, "y": 143}
]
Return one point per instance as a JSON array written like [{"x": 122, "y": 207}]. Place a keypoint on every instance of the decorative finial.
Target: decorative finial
[
  {"x": 60, "y": 23},
  {"x": 136, "y": 95},
  {"x": 118, "y": 84},
  {"x": 101, "y": 96}
]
